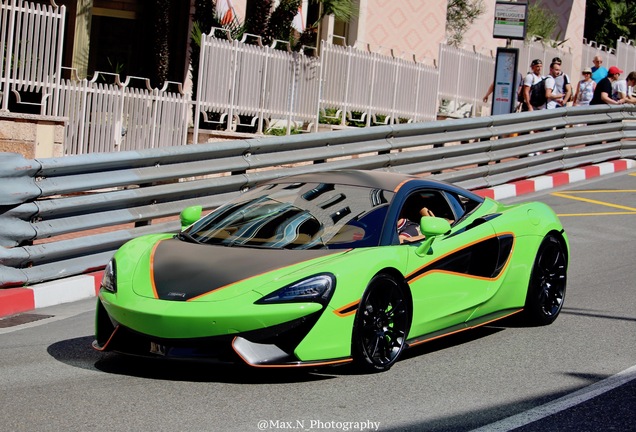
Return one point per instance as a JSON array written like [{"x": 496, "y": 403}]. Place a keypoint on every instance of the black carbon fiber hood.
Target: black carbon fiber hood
[{"x": 182, "y": 271}]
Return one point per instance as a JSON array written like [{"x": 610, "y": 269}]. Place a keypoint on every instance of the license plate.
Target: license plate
[{"x": 157, "y": 349}]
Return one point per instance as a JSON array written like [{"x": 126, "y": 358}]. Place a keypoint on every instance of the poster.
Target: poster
[{"x": 504, "y": 97}]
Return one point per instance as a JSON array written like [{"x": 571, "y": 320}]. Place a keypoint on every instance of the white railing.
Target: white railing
[
  {"x": 239, "y": 80},
  {"x": 466, "y": 76},
  {"x": 544, "y": 52},
  {"x": 592, "y": 49},
  {"x": 247, "y": 84},
  {"x": 31, "y": 42},
  {"x": 625, "y": 56},
  {"x": 382, "y": 89},
  {"x": 106, "y": 117}
]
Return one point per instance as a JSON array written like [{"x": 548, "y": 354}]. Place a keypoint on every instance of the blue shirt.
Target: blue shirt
[{"x": 598, "y": 73}]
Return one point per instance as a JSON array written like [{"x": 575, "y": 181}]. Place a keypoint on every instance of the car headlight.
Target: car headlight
[
  {"x": 318, "y": 288},
  {"x": 109, "y": 280}
]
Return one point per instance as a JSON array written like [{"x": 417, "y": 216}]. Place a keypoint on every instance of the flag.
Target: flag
[
  {"x": 298, "y": 23},
  {"x": 224, "y": 11}
]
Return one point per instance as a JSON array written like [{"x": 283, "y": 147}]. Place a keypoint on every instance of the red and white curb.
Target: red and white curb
[
  {"x": 551, "y": 181},
  {"x": 18, "y": 300}
]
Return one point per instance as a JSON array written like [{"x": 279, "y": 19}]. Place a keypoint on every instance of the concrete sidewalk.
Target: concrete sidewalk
[{"x": 18, "y": 300}]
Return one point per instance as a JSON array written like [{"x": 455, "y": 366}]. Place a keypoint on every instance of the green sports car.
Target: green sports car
[{"x": 312, "y": 270}]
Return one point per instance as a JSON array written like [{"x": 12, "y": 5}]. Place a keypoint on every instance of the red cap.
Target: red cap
[{"x": 614, "y": 70}]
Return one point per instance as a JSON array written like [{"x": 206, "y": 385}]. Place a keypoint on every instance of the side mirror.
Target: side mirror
[
  {"x": 434, "y": 226},
  {"x": 431, "y": 227},
  {"x": 190, "y": 215}
]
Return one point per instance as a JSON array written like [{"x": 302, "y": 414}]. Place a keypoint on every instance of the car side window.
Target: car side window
[
  {"x": 461, "y": 205},
  {"x": 420, "y": 204},
  {"x": 432, "y": 203}
]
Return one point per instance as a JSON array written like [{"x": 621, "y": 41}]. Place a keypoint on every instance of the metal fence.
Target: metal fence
[
  {"x": 467, "y": 75},
  {"x": 545, "y": 52},
  {"x": 591, "y": 49},
  {"x": 375, "y": 89},
  {"x": 113, "y": 117},
  {"x": 239, "y": 81},
  {"x": 625, "y": 55},
  {"x": 31, "y": 41},
  {"x": 66, "y": 216}
]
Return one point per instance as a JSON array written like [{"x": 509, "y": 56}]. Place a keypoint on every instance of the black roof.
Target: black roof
[{"x": 374, "y": 179}]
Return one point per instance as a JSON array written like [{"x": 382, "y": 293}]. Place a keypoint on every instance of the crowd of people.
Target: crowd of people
[{"x": 598, "y": 85}]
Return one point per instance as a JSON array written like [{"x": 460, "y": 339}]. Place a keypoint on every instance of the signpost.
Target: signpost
[
  {"x": 510, "y": 20},
  {"x": 510, "y": 23}
]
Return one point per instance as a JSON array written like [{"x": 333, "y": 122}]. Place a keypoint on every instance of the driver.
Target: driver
[{"x": 408, "y": 230}]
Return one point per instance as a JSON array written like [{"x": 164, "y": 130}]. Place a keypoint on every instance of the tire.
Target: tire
[
  {"x": 381, "y": 325},
  {"x": 546, "y": 290}
]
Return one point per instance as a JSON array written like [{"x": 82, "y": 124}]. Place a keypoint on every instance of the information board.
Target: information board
[
  {"x": 504, "y": 97},
  {"x": 510, "y": 20}
]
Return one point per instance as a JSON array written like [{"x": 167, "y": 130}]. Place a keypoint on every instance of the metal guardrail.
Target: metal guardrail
[{"x": 66, "y": 216}]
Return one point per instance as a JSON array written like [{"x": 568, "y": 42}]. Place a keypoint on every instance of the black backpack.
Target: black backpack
[{"x": 537, "y": 93}]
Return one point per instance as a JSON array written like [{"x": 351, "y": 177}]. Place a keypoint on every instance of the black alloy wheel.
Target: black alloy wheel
[
  {"x": 381, "y": 324},
  {"x": 546, "y": 290}
]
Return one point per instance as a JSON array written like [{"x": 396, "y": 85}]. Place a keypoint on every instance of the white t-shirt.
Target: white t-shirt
[
  {"x": 619, "y": 86},
  {"x": 551, "y": 84}
]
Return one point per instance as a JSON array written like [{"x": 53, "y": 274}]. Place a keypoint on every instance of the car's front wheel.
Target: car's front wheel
[
  {"x": 546, "y": 290},
  {"x": 381, "y": 324}
]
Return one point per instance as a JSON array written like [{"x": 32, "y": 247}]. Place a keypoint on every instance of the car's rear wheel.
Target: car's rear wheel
[
  {"x": 546, "y": 291},
  {"x": 381, "y": 324}
]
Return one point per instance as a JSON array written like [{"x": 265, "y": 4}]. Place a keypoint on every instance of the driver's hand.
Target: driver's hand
[{"x": 426, "y": 212}]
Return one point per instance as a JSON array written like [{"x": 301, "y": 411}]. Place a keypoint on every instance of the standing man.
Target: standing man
[
  {"x": 531, "y": 79},
  {"x": 553, "y": 93},
  {"x": 603, "y": 91},
  {"x": 598, "y": 70},
  {"x": 563, "y": 84}
]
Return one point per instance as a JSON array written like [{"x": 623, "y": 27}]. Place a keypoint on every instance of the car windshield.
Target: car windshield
[{"x": 297, "y": 216}]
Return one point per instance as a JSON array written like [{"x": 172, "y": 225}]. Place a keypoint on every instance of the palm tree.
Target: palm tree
[
  {"x": 279, "y": 23},
  {"x": 270, "y": 24},
  {"x": 257, "y": 14},
  {"x": 204, "y": 19},
  {"x": 160, "y": 53},
  {"x": 542, "y": 22},
  {"x": 607, "y": 20},
  {"x": 342, "y": 10}
]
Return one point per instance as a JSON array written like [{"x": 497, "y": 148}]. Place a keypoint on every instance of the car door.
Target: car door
[{"x": 454, "y": 277}]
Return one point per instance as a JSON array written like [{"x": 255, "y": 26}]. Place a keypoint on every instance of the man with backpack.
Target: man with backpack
[{"x": 534, "y": 88}]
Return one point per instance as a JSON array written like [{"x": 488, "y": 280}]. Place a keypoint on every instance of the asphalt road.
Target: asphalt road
[{"x": 578, "y": 374}]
